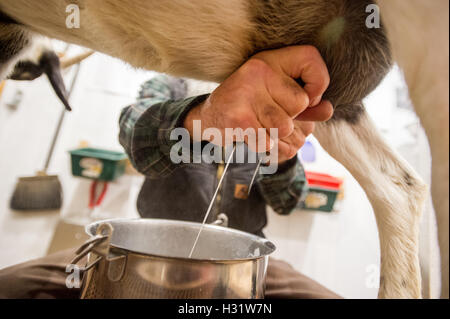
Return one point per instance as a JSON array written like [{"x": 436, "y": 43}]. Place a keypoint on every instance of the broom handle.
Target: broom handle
[{"x": 61, "y": 119}]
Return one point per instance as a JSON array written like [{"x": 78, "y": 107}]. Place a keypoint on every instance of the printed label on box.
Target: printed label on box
[{"x": 92, "y": 167}]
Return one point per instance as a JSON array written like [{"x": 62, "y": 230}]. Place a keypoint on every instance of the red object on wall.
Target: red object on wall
[{"x": 323, "y": 180}]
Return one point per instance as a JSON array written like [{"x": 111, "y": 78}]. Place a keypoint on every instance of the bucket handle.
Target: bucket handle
[
  {"x": 99, "y": 244},
  {"x": 85, "y": 249},
  {"x": 222, "y": 220}
]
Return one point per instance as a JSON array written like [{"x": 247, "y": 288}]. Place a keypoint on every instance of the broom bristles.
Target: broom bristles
[{"x": 37, "y": 193}]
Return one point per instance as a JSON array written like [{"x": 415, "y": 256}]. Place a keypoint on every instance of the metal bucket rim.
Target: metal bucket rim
[{"x": 267, "y": 243}]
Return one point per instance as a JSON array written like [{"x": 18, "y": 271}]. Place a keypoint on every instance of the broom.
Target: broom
[{"x": 42, "y": 191}]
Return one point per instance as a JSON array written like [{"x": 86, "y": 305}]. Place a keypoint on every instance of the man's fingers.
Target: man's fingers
[
  {"x": 304, "y": 62},
  {"x": 260, "y": 143},
  {"x": 263, "y": 93},
  {"x": 286, "y": 151},
  {"x": 296, "y": 140},
  {"x": 305, "y": 128},
  {"x": 252, "y": 132},
  {"x": 273, "y": 116},
  {"x": 257, "y": 138},
  {"x": 288, "y": 94},
  {"x": 289, "y": 146},
  {"x": 320, "y": 113}
]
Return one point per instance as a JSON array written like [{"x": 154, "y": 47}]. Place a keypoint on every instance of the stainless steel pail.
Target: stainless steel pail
[{"x": 148, "y": 258}]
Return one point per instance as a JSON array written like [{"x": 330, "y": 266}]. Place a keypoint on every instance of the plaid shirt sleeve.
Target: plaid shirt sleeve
[
  {"x": 283, "y": 190},
  {"x": 145, "y": 129}
]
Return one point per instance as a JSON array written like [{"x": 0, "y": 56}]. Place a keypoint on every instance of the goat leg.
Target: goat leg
[{"x": 395, "y": 191}]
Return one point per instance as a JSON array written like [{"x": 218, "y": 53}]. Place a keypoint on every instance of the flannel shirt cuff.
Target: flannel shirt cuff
[
  {"x": 145, "y": 129},
  {"x": 284, "y": 189},
  {"x": 173, "y": 118}
]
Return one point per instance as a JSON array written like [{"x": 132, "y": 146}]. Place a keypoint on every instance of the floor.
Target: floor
[{"x": 339, "y": 249}]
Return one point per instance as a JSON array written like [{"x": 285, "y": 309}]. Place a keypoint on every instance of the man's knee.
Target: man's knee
[
  {"x": 40, "y": 278},
  {"x": 283, "y": 281}
]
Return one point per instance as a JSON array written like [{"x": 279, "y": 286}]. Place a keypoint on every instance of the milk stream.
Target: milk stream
[{"x": 212, "y": 201}]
